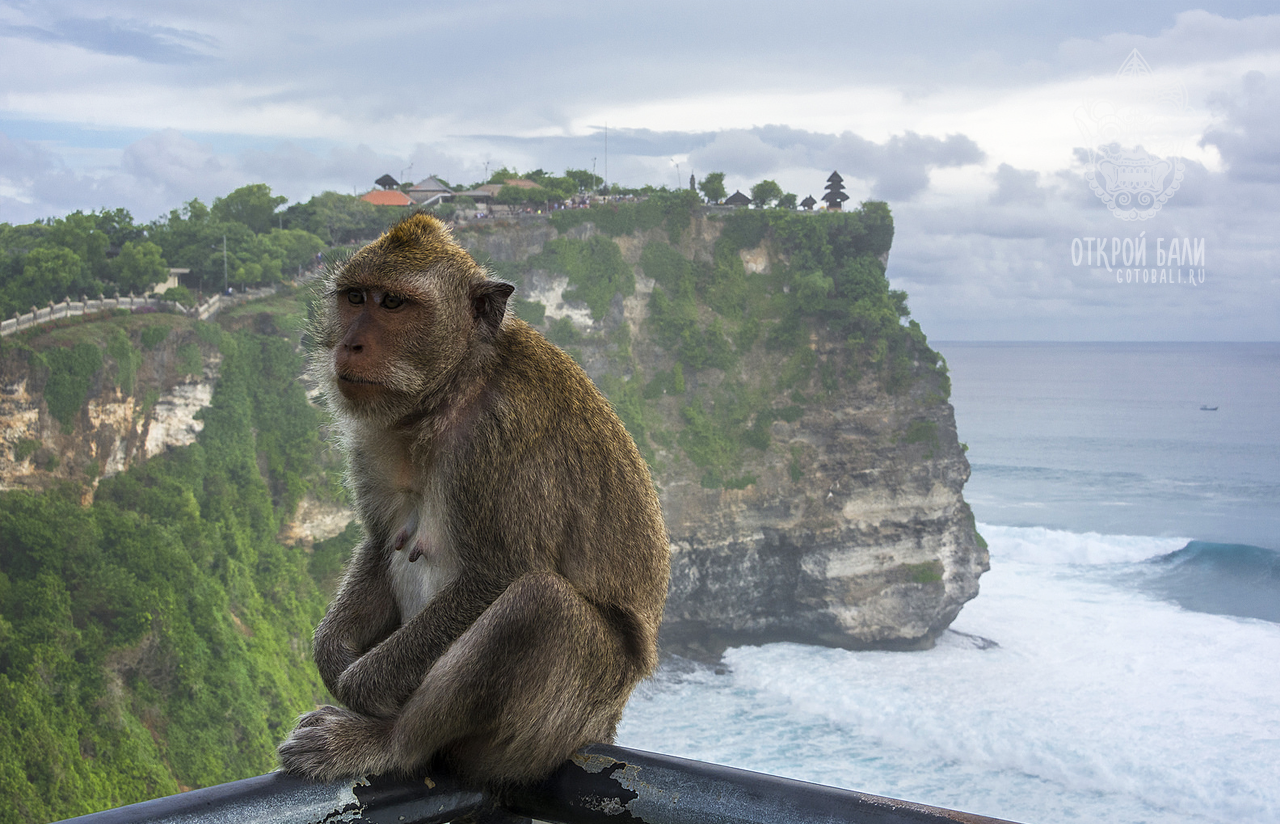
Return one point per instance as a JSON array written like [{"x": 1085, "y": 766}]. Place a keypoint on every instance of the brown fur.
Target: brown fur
[{"x": 496, "y": 485}]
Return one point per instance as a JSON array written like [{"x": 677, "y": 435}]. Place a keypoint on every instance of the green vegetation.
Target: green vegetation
[
  {"x": 594, "y": 267},
  {"x": 765, "y": 194},
  {"x": 67, "y": 387},
  {"x": 928, "y": 572},
  {"x": 152, "y": 336},
  {"x": 925, "y": 432},
  {"x": 667, "y": 210},
  {"x": 712, "y": 187},
  {"x": 25, "y": 449},
  {"x": 126, "y": 357},
  {"x": 159, "y": 638},
  {"x": 826, "y": 280}
]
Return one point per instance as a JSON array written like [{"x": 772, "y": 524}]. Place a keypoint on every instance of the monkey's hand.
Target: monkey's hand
[
  {"x": 371, "y": 687},
  {"x": 331, "y": 743}
]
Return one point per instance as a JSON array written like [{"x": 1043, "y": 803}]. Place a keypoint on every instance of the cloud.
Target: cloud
[
  {"x": 23, "y": 161},
  {"x": 1196, "y": 36},
  {"x": 897, "y": 169},
  {"x": 1015, "y": 186},
  {"x": 1248, "y": 138},
  {"x": 123, "y": 38}
]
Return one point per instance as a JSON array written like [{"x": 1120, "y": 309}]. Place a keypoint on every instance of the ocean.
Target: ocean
[{"x": 1122, "y": 660}]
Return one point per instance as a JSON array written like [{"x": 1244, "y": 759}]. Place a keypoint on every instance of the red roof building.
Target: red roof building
[{"x": 388, "y": 197}]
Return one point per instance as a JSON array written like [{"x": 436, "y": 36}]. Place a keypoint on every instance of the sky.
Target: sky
[{"x": 1005, "y": 136}]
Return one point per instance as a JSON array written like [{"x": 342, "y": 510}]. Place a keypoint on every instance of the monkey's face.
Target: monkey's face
[
  {"x": 374, "y": 322},
  {"x": 400, "y": 318},
  {"x": 394, "y": 338}
]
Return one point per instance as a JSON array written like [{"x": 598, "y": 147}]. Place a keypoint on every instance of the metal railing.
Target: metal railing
[{"x": 601, "y": 784}]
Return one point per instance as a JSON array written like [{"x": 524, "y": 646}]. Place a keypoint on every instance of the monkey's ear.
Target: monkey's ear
[{"x": 489, "y": 303}]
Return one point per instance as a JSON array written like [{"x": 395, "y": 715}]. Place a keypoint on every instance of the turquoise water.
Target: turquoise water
[{"x": 1122, "y": 662}]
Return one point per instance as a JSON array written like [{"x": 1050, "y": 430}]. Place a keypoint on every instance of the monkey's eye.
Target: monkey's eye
[
  {"x": 355, "y": 296},
  {"x": 392, "y": 301}
]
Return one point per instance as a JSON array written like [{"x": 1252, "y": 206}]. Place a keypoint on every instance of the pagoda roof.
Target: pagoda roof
[
  {"x": 835, "y": 178},
  {"x": 808, "y": 202},
  {"x": 737, "y": 199},
  {"x": 387, "y": 182},
  {"x": 835, "y": 196}
]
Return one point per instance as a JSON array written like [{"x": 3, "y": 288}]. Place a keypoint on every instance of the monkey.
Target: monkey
[{"x": 506, "y": 597}]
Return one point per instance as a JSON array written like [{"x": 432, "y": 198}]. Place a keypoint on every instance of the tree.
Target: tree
[
  {"x": 81, "y": 234},
  {"x": 295, "y": 248},
  {"x": 119, "y": 227},
  {"x": 339, "y": 219},
  {"x": 252, "y": 205},
  {"x": 712, "y": 187},
  {"x": 193, "y": 239},
  {"x": 764, "y": 193},
  {"x": 139, "y": 267},
  {"x": 584, "y": 180},
  {"x": 521, "y": 196},
  {"x": 503, "y": 175},
  {"x": 48, "y": 273},
  {"x": 787, "y": 201}
]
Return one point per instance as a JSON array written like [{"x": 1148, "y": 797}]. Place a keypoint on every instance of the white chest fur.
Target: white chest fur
[{"x": 424, "y": 563}]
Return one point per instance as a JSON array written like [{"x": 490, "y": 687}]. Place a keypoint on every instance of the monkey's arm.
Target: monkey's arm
[
  {"x": 379, "y": 683},
  {"x": 362, "y": 613}
]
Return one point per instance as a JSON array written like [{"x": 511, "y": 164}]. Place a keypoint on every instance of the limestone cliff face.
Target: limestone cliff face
[
  {"x": 114, "y": 430},
  {"x": 871, "y": 546},
  {"x": 854, "y": 532}
]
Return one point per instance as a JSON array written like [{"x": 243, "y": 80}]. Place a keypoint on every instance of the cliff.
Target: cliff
[
  {"x": 154, "y": 632},
  {"x": 804, "y": 450},
  {"x": 66, "y": 414}
]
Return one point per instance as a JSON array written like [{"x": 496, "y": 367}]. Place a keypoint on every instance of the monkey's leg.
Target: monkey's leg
[{"x": 538, "y": 675}]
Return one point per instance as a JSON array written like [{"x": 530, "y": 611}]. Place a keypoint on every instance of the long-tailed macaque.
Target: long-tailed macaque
[{"x": 507, "y": 595}]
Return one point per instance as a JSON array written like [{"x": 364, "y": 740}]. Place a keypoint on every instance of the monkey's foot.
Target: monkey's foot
[{"x": 332, "y": 743}]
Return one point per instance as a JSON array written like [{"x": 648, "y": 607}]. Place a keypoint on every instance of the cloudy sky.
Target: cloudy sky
[{"x": 983, "y": 124}]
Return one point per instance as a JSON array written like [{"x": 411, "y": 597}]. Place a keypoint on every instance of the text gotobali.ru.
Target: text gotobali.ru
[{"x": 1127, "y": 257}]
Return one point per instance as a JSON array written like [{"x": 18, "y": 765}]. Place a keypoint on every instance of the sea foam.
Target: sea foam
[{"x": 1098, "y": 701}]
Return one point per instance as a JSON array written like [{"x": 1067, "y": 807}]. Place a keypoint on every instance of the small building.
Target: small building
[
  {"x": 808, "y": 202},
  {"x": 430, "y": 191},
  {"x": 387, "y": 197},
  {"x": 737, "y": 199},
  {"x": 387, "y": 182}
]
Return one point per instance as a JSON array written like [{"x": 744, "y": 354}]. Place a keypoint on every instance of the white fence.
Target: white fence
[{"x": 71, "y": 308}]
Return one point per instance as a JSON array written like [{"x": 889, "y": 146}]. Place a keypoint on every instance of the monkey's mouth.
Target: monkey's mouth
[
  {"x": 357, "y": 380},
  {"x": 358, "y": 389}
]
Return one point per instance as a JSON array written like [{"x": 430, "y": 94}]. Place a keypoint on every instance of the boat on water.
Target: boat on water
[{"x": 1207, "y": 408}]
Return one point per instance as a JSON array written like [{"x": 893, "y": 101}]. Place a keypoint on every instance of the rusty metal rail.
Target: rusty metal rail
[{"x": 600, "y": 785}]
